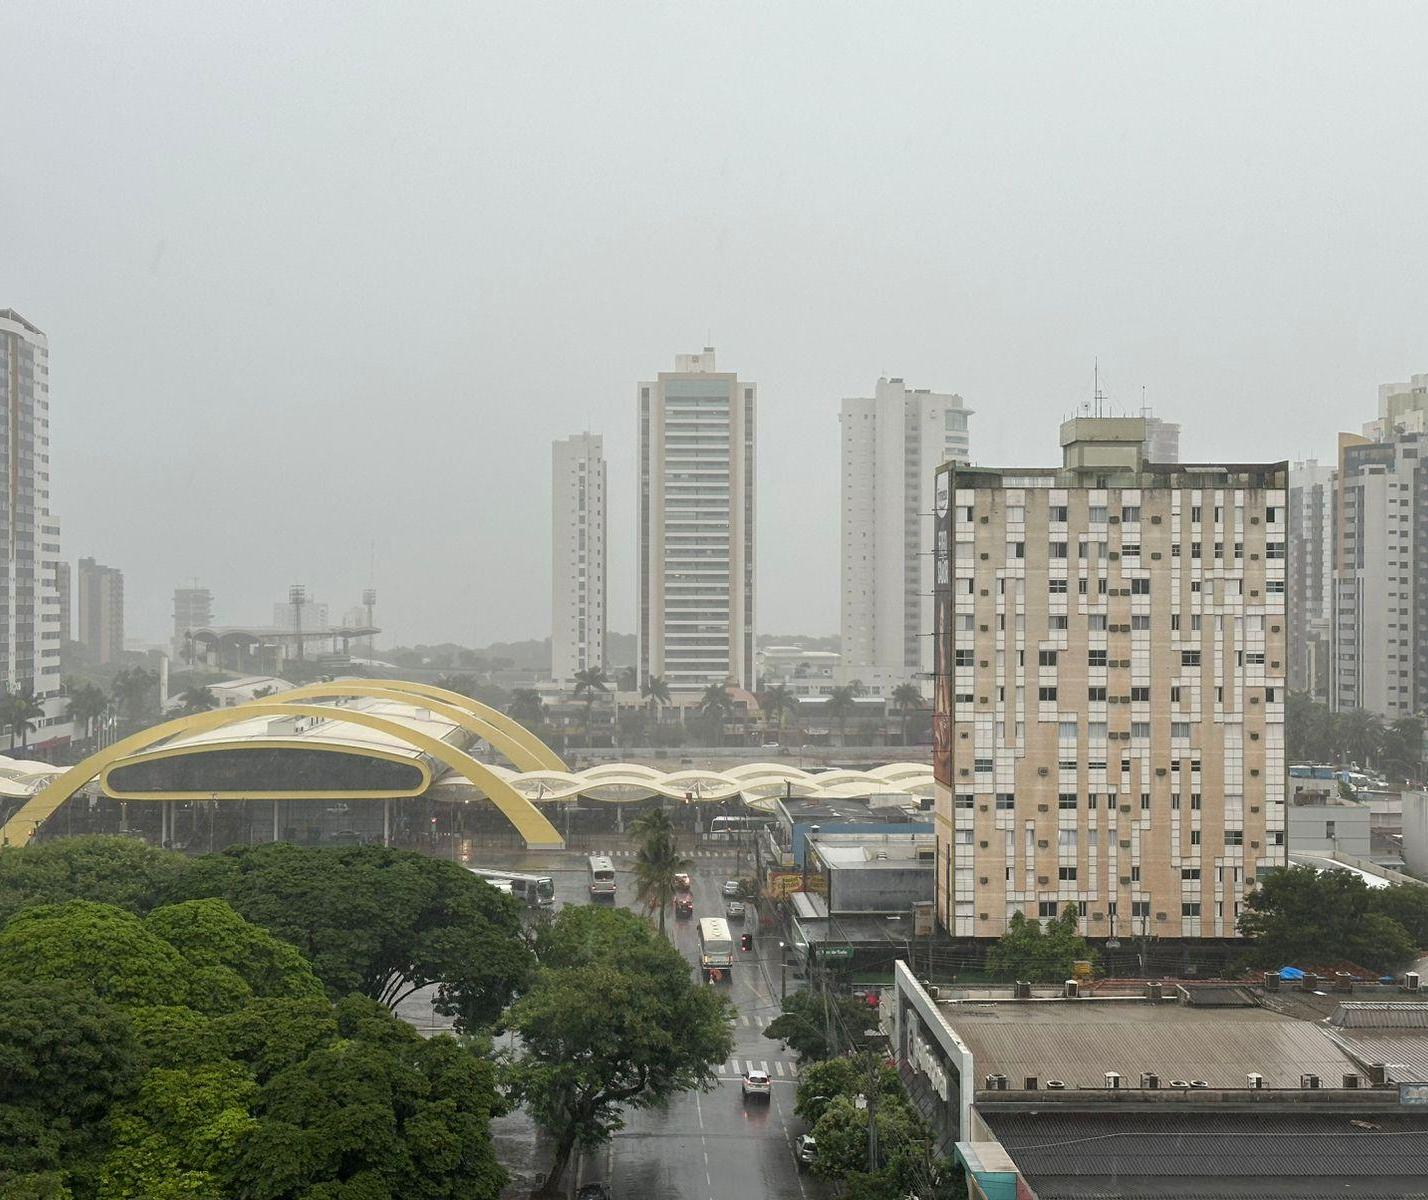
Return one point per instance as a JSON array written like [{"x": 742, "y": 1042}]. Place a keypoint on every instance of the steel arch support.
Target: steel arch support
[
  {"x": 530, "y": 823},
  {"x": 549, "y": 760},
  {"x": 518, "y": 749}
]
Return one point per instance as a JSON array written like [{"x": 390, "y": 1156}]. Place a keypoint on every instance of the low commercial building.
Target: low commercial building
[
  {"x": 798, "y": 817},
  {"x": 875, "y": 874},
  {"x": 1320, "y": 821},
  {"x": 1164, "y": 1090}
]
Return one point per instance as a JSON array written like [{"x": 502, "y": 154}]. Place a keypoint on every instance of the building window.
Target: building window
[
  {"x": 1140, "y": 587},
  {"x": 1046, "y": 909},
  {"x": 1056, "y": 513},
  {"x": 1189, "y": 658},
  {"x": 1046, "y": 658},
  {"x": 1006, "y": 802},
  {"x": 1194, "y": 837},
  {"x": 1195, "y": 801},
  {"x": 1057, "y": 549},
  {"x": 1140, "y": 695},
  {"x": 1096, "y": 514},
  {"x": 1135, "y": 873},
  {"x": 1067, "y": 801},
  {"x": 965, "y": 658},
  {"x": 1096, "y": 658},
  {"x": 1140, "y": 908},
  {"x": 1056, "y": 623},
  {"x": 1234, "y": 837},
  {"x": 1066, "y": 730},
  {"x": 1139, "y": 730},
  {"x": 1096, "y": 695},
  {"x": 966, "y": 802},
  {"x": 1096, "y": 622},
  {"x": 983, "y": 766},
  {"x": 1056, "y": 587},
  {"x": 1130, "y": 512},
  {"x": 1189, "y": 873},
  {"x": 1066, "y": 874},
  {"x": 1180, "y": 729},
  {"x": 1190, "y": 908},
  {"x": 1047, "y": 695}
]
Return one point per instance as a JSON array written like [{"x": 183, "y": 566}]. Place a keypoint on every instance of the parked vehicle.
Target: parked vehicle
[
  {"x": 734, "y": 910},
  {"x": 805, "y": 1150},
  {"x": 757, "y": 1083},
  {"x": 732, "y": 889},
  {"x": 602, "y": 878},
  {"x": 594, "y": 1191}
]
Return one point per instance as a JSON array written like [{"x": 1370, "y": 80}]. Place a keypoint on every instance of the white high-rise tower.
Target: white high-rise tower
[
  {"x": 893, "y": 442},
  {"x": 577, "y": 640},
  {"x": 696, "y": 526}
]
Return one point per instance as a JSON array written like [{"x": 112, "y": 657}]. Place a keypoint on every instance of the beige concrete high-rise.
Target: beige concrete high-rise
[
  {"x": 577, "y": 640},
  {"x": 100, "y": 609},
  {"x": 697, "y": 581},
  {"x": 1109, "y": 724},
  {"x": 893, "y": 441}
]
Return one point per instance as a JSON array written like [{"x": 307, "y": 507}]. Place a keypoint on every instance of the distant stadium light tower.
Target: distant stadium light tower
[
  {"x": 369, "y": 601},
  {"x": 297, "y": 597}
]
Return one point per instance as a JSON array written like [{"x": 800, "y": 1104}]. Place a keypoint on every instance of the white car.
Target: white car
[
  {"x": 756, "y": 1083},
  {"x": 732, "y": 888},
  {"x": 806, "y": 1149},
  {"x": 734, "y": 910}
]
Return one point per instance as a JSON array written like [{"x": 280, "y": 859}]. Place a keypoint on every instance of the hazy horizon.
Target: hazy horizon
[{"x": 322, "y": 284}]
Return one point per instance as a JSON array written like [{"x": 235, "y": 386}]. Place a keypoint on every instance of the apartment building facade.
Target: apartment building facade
[
  {"x": 1311, "y": 577},
  {"x": 1109, "y": 714},
  {"x": 697, "y": 583},
  {"x": 578, "y": 574},
  {"x": 892, "y": 444},
  {"x": 193, "y": 609},
  {"x": 100, "y": 610}
]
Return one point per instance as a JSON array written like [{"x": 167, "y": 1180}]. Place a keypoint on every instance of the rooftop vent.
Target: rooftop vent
[
  {"x": 1023, "y": 989},
  {"x": 1411, "y": 982},
  {"x": 1308, "y": 1081},
  {"x": 996, "y": 1083},
  {"x": 1377, "y": 1074},
  {"x": 1149, "y": 1080},
  {"x": 1254, "y": 1080},
  {"x": 1351, "y": 1081},
  {"x": 1031, "y": 1083},
  {"x": 1072, "y": 989},
  {"x": 1113, "y": 1079},
  {"x": 1055, "y": 1085}
]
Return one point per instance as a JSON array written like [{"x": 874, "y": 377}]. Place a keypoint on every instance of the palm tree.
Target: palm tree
[
  {"x": 656, "y": 864},
  {"x": 526, "y": 706},
  {"x": 135, "y": 692},
  {"x": 841, "y": 704},
  {"x": 652, "y": 824},
  {"x": 1402, "y": 750},
  {"x": 777, "y": 702},
  {"x": 87, "y": 704},
  {"x": 587, "y": 683},
  {"x": 716, "y": 706},
  {"x": 196, "y": 700},
  {"x": 906, "y": 698},
  {"x": 21, "y": 710},
  {"x": 656, "y": 691},
  {"x": 1360, "y": 734}
]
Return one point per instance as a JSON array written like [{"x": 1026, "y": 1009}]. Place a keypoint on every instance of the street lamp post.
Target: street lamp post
[{"x": 782, "y": 972}]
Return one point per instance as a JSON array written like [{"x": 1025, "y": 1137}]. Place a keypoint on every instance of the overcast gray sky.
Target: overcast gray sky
[{"x": 322, "y": 277}]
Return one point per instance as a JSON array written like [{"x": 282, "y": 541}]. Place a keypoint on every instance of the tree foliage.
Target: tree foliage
[
  {"x": 378, "y": 921},
  {"x": 1038, "y": 950},
  {"x": 816, "y": 1027},
  {"x": 108, "y": 870},
  {"x": 1299, "y": 914},
  {"x": 613, "y": 1020},
  {"x": 1315, "y": 734}
]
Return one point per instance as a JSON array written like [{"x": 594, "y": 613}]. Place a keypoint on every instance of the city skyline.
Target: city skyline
[{"x": 818, "y": 236}]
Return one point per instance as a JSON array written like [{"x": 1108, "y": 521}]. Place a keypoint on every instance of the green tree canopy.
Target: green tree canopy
[
  {"x": 1040, "y": 951},
  {"x": 94, "y": 945},
  {"x": 807, "y": 1020},
  {"x": 378, "y": 921},
  {"x": 108, "y": 870},
  {"x": 65, "y": 1058},
  {"x": 653, "y": 1032},
  {"x": 213, "y": 938},
  {"x": 842, "y": 1136},
  {"x": 1299, "y": 914}
]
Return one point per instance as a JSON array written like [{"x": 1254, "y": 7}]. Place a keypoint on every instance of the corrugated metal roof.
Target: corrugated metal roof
[
  {"x": 1387, "y": 1015},
  {"x": 1078, "y": 1041},
  {"x": 1202, "y": 1154}
]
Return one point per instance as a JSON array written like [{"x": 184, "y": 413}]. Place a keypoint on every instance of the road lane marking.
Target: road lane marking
[{"x": 778, "y": 1066}]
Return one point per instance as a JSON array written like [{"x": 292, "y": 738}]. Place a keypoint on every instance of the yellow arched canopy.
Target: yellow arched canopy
[
  {"x": 512, "y": 739},
  {"x": 538, "y": 832}
]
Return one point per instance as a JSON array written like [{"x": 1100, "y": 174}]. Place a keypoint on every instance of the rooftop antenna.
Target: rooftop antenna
[{"x": 1098, "y": 395}]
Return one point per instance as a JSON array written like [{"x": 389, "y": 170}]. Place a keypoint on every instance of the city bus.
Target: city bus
[
  {"x": 602, "y": 878},
  {"x": 730, "y": 826},
  {"x": 535, "y": 890},
  {"x": 716, "y": 948}
]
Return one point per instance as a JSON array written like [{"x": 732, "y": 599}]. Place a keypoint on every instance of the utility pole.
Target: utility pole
[{"x": 873, "y": 1085}]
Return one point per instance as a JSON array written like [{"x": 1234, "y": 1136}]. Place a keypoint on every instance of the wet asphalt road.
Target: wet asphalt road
[{"x": 702, "y": 1145}]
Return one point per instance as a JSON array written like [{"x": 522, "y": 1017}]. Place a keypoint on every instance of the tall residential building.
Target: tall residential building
[
  {"x": 64, "y": 589},
  {"x": 315, "y": 615},
  {"x": 696, "y": 526},
  {"x": 101, "y": 609},
  {"x": 577, "y": 641},
  {"x": 893, "y": 442},
  {"x": 1109, "y": 722},
  {"x": 30, "y": 623},
  {"x": 1162, "y": 439},
  {"x": 1402, "y": 407},
  {"x": 1311, "y": 577},
  {"x": 1381, "y": 500},
  {"x": 193, "y": 609}
]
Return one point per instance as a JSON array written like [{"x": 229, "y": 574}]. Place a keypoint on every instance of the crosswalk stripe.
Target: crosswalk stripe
[{"x": 778, "y": 1066}]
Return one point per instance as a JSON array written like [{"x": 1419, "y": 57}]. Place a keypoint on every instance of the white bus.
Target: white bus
[
  {"x": 535, "y": 890},
  {"x": 716, "y": 947},
  {"x": 602, "y": 878}
]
